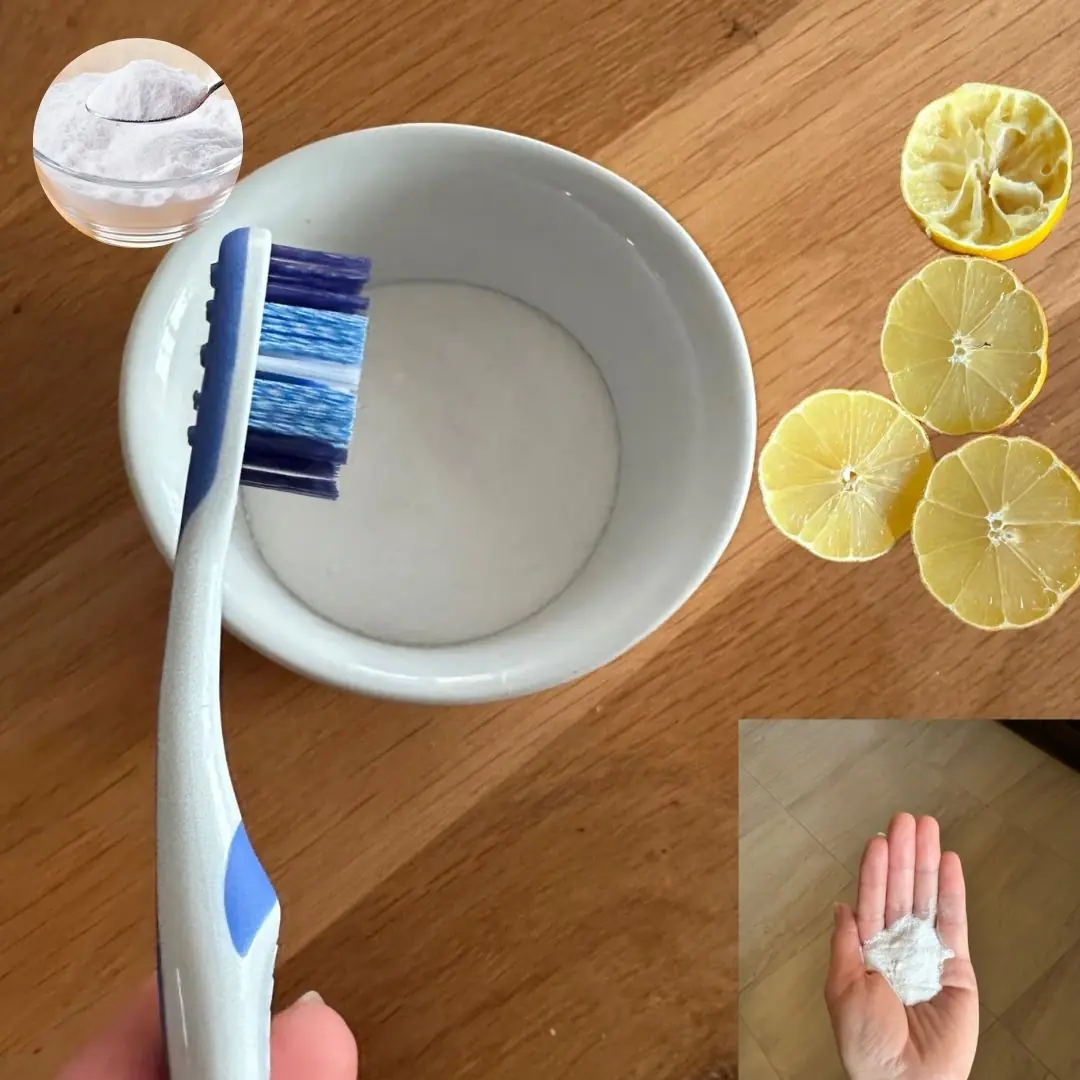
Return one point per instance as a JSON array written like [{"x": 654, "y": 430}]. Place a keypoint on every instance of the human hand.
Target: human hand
[
  {"x": 308, "y": 1041},
  {"x": 878, "y": 1038}
]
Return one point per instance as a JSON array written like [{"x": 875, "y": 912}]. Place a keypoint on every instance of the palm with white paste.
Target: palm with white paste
[{"x": 878, "y": 1038}]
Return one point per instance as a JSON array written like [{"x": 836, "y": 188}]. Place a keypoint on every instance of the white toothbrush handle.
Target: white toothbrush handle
[{"x": 218, "y": 916}]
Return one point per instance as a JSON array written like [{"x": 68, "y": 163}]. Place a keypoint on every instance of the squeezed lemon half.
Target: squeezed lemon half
[
  {"x": 997, "y": 535},
  {"x": 986, "y": 170},
  {"x": 842, "y": 472},
  {"x": 964, "y": 346}
]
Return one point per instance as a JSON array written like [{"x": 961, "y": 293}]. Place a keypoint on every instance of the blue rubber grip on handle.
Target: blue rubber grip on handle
[{"x": 249, "y": 897}]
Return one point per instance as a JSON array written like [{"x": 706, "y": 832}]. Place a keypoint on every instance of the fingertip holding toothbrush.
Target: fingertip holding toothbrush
[{"x": 276, "y": 409}]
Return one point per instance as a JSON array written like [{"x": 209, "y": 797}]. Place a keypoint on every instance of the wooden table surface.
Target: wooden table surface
[{"x": 544, "y": 888}]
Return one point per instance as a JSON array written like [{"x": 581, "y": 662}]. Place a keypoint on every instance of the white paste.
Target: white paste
[
  {"x": 481, "y": 475},
  {"x": 911, "y": 956},
  {"x": 67, "y": 133}
]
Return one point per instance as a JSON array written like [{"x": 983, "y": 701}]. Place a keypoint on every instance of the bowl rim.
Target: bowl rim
[
  {"x": 294, "y": 652},
  {"x": 223, "y": 169}
]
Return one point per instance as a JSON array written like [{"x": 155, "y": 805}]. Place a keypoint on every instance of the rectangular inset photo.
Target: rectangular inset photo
[{"x": 909, "y": 900}]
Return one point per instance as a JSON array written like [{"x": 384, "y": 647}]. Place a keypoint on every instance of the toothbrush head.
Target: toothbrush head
[{"x": 312, "y": 332}]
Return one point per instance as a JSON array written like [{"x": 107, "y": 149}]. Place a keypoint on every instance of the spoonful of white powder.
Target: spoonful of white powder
[
  {"x": 148, "y": 92},
  {"x": 910, "y": 955}
]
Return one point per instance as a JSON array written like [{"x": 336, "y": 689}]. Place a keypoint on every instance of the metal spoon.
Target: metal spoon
[{"x": 211, "y": 89}]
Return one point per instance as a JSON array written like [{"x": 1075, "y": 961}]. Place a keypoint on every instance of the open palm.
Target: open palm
[{"x": 878, "y": 1038}]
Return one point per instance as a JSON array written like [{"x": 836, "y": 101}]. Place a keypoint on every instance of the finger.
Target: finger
[
  {"x": 311, "y": 1042},
  {"x": 308, "y": 1041},
  {"x": 952, "y": 905},
  {"x": 927, "y": 861},
  {"x": 873, "y": 874},
  {"x": 900, "y": 888},
  {"x": 846, "y": 963},
  {"x": 129, "y": 1048}
]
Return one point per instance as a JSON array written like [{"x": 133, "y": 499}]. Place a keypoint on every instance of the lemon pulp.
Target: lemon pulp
[
  {"x": 987, "y": 170},
  {"x": 842, "y": 472},
  {"x": 964, "y": 346},
  {"x": 997, "y": 535}
]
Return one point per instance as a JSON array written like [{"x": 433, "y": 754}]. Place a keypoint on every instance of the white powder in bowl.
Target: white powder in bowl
[
  {"x": 481, "y": 475},
  {"x": 910, "y": 955},
  {"x": 67, "y": 133}
]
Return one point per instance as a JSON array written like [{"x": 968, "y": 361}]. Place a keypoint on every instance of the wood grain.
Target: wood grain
[{"x": 543, "y": 887}]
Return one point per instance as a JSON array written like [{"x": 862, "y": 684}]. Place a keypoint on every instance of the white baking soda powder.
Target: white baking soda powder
[
  {"x": 911, "y": 956},
  {"x": 69, "y": 134},
  {"x": 482, "y": 472},
  {"x": 146, "y": 90}
]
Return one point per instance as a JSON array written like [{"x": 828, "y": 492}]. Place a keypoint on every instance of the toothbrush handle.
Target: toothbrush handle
[{"x": 218, "y": 916}]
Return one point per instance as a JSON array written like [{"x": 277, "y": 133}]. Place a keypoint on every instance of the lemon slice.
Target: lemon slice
[
  {"x": 986, "y": 170},
  {"x": 964, "y": 346},
  {"x": 843, "y": 472},
  {"x": 998, "y": 534}
]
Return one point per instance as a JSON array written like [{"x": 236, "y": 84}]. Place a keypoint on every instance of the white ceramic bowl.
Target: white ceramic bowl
[{"x": 447, "y": 202}]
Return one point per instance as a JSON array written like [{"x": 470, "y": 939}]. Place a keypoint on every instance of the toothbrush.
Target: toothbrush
[{"x": 276, "y": 410}]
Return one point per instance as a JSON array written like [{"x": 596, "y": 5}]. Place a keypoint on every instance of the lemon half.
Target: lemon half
[
  {"x": 964, "y": 345},
  {"x": 998, "y": 534},
  {"x": 986, "y": 170},
  {"x": 842, "y": 473}
]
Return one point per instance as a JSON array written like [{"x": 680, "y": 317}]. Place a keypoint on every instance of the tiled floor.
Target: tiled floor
[{"x": 812, "y": 792}]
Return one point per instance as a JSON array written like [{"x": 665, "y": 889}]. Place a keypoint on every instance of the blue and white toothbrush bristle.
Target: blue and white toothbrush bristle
[{"x": 311, "y": 347}]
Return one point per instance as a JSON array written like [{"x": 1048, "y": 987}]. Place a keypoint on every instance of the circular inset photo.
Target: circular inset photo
[{"x": 137, "y": 142}]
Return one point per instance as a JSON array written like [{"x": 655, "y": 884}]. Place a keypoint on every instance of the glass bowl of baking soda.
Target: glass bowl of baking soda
[{"x": 136, "y": 184}]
